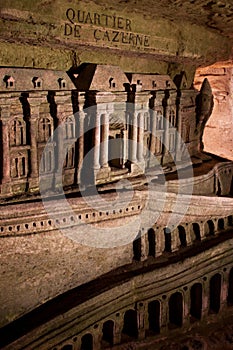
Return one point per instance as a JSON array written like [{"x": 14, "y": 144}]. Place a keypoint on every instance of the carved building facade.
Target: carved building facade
[{"x": 89, "y": 107}]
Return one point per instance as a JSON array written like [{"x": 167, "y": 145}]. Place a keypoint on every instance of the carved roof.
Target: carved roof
[
  {"x": 181, "y": 81},
  {"x": 25, "y": 78},
  {"x": 151, "y": 81},
  {"x": 97, "y": 77}
]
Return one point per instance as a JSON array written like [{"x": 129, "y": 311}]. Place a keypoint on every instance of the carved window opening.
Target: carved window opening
[
  {"x": 108, "y": 332},
  {"x": 115, "y": 149},
  {"x": 45, "y": 129},
  {"x": 176, "y": 310},
  {"x": 182, "y": 236},
  {"x": 154, "y": 316},
  {"x": 9, "y": 81},
  {"x": 215, "y": 293},
  {"x": 211, "y": 229},
  {"x": 137, "y": 247},
  {"x": 112, "y": 84},
  {"x": 87, "y": 342},
  {"x": 37, "y": 82},
  {"x": 46, "y": 162},
  {"x": 172, "y": 118},
  {"x": 130, "y": 327},
  {"x": 62, "y": 83},
  {"x": 221, "y": 224},
  {"x": 67, "y": 347},
  {"x": 230, "y": 288},
  {"x": 196, "y": 230},
  {"x": 18, "y": 133},
  {"x": 18, "y": 167},
  {"x": 231, "y": 188},
  {"x": 168, "y": 240},
  {"x": 69, "y": 160},
  {"x": 159, "y": 145},
  {"x": 196, "y": 301},
  {"x": 151, "y": 240},
  {"x": 14, "y": 168},
  {"x": 69, "y": 128},
  {"x": 154, "y": 84},
  {"x": 230, "y": 220},
  {"x": 159, "y": 124}
]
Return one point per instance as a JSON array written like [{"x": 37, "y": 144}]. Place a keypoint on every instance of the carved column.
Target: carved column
[
  {"x": 141, "y": 320},
  {"x": 224, "y": 292},
  {"x": 206, "y": 297},
  {"x": 5, "y": 117},
  {"x": 179, "y": 131},
  {"x": 60, "y": 135},
  {"x": 144, "y": 246},
  {"x": 80, "y": 135},
  {"x": 166, "y": 137},
  {"x": 125, "y": 136},
  {"x": 202, "y": 230},
  {"x": 140, "y": 137},
  {"x": 188, "y": 235},
  {"x": 64, "y": 110},
  {"x": 81, "y": 138},
  {"x": 60, "y": 138},
  {"x": 118, "y": 326},
  {"x": 33, "y": 127},
  {"x": 96, "y": 164},
  {"x": 160, "y": 242},
  {"x": 215, "y": 226},
  {"x": 134, "y": 131},
  {"x": 34, "y": 115},
  {"x": 164, "y": 315},
  {"x": 97, "y": 340},
  {"x": 174, "y": 240},
  {"x": 153, "y": 134},
  {"x": 104, "y": 145},
  {"x": 186, "y": 303},
  {"x": 77, "y": 344}
]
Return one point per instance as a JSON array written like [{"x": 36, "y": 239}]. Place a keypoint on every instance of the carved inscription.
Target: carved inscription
[{"x": 103, "y": 28}]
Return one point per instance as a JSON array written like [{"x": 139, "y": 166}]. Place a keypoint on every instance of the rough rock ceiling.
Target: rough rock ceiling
[
  {"x": 182, "y": 33},
  {"x": 214, "y": 14}
]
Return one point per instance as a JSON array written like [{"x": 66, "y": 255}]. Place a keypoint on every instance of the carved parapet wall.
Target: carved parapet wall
[
  {"x": 25, "y": 219},
  {"x": 29, "y": 235},
  {"x": 217, "y": 181},
  {"x": 88, "y": 319}
]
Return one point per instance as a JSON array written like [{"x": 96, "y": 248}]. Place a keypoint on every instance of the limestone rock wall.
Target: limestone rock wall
[{"x": 218, "y": 137}]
